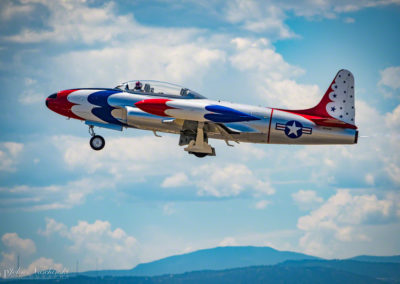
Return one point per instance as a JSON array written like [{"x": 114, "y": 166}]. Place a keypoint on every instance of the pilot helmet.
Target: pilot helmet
[{"x": 138, "y": 85}]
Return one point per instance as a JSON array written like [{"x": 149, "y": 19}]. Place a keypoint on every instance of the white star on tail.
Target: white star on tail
[{"x": 293, "y": 129}]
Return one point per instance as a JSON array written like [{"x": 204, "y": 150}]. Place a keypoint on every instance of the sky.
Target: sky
[{"x": 143, "y": 198}]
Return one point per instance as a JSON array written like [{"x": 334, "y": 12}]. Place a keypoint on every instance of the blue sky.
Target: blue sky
[{"x": 142, "y": 197}]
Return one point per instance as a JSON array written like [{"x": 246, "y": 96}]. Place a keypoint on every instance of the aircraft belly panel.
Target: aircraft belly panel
[{"x": 140, "y": 119}]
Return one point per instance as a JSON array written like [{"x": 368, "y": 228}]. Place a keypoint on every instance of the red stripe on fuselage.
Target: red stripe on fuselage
[
  {"x": 269, "y": 127},
  {"x": 154, "y": 106}
]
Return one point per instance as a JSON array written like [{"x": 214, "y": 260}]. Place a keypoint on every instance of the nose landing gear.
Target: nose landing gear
[{"x": 97, "y": 142}]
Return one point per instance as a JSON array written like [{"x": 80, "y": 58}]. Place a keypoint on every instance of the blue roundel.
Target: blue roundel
[{"x": 293, "y": 129}]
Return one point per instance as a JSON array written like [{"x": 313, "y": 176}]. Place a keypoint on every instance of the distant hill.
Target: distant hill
[
  {"x": 242, "y": 265},
  {"x": 260, "y": 274},
  {"x": 209, "y": 259},
  {"x": 221, "y": 258},
  {"x": 370, "y": 258},
  {"x": 217, "y": 259},
  {"x": 379, "y": 270}
]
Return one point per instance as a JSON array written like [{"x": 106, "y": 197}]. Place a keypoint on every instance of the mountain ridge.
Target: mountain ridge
[
  {"x": 216, "y": 258},
  {"x": 219, "y": 258},
  {"x": 229, "y": 257},
  {"x": 374, "y": 258},
  {"x": 282, "y": 274}
]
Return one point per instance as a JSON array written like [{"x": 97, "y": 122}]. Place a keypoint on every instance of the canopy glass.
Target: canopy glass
[{"x": 158, "y": 88}]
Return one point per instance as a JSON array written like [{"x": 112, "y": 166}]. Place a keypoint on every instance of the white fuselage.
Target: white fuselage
[{"x": 268, "y": 128}]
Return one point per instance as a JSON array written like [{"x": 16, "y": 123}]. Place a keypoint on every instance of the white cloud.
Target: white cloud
[
  {"x": 184, "y": 52},
  {"x": 112, "y": 248},
  {"x": 139, "y": 158},
  {"x": 390, "y": 77},
  {"x": 172, "y": 61},
  {"x": 261, "y": 56},
  {"x": 280, "y": 239},
  {"x": 29, "y": 81},
  {"x": 16, "y": 244},
  {"x": 268, "y": 16},
  {"x": 11, "y": 10},
  {"x": 262, "y": 204},
  {"x": 31, "y": 94},
  {"x": 30, "y": 97},
  {"x": 256, "y": 16},
  {"x": 378, "y": 137},
  {"x": 44, "y": 263},
  {"x": 194, "y": 52},
  {"x": 368, "y": 118},
  {"x": 369, "y": 179},
  {"x": 288, "y": 93},
  {"x": 8, "y": 261},
  {"x": 389, "y": 147},
  {"x": 36, "y": 198},
  {"x": 271, "y": 76},
  {"x": 306, "y": 199},
  {"x": 75, "y": 20},
  {"x": 121, "y": 157},
  {"x": 230, "y": 180},
  {"x": 15, "y": 247},
  {"x": 349, "y": 20},
  {"x": 169, "y": 208},
  {"x": 393, "y": 170},
  {"x": 392, "y": 119},
  {"x": 250, "y": 152},
  {"x": 344, "y": 218},
  {"x": 221, "y": 181},
  {"x": 178, "y": 179},
  {"x": 52, "y": 226},
  {"x": 228, "y": 242},
  {"x": 9, "y": 155}
]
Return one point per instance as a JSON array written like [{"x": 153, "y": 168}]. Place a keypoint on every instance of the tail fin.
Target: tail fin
[{"x": 336, "y": 108}]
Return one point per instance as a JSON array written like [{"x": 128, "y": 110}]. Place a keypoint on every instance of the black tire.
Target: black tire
[
  {"x": 200, "y": 155},
  {"x": 97, "y": 142}
]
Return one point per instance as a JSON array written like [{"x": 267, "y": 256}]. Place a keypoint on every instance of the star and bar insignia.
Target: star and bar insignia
[{"x": 293, "y": 129}]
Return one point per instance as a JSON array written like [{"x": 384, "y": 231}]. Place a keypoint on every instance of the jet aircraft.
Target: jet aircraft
[{"x": 164, "y": 107}]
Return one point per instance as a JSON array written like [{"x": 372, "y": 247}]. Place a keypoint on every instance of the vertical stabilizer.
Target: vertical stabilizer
[
  {"x": 338, "y": 101},
  {"x": 341, "y": 95}
]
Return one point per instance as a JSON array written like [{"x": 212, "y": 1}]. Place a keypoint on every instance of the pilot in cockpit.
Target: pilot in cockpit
[{"x": 138, "y": 86}]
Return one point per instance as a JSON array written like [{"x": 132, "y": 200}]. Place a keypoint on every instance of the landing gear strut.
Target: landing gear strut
[
  {"x": 200, "y": 147},
  {"x": 97, "y": 142}
]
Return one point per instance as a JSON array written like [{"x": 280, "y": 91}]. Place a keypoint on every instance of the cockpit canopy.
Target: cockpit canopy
[{"x": 158, "y": 88}]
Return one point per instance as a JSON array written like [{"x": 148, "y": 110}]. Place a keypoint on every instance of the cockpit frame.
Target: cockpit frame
[{"x": 158, "y": 88}]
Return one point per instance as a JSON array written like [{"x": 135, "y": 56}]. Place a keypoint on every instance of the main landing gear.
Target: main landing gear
[
  {"x": 200, "y": 147},
  {"x": 97, "y": 142}
]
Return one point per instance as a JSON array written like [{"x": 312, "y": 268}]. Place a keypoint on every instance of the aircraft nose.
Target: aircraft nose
[{"x": 50, "y": 99}]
